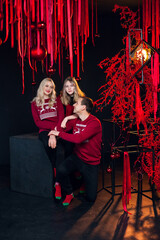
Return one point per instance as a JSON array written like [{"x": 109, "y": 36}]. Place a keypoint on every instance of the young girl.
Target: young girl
[
  {"x": 48, "y": 113},
  {"x": 69, "y": 95}
]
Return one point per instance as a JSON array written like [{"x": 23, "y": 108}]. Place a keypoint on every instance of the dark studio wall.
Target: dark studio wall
[{"x": 15, "y": 110}]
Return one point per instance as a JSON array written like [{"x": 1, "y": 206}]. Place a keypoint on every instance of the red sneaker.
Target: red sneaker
[
  {"x": 58, "y": 191},
  {"x": 68, "y": 199}
]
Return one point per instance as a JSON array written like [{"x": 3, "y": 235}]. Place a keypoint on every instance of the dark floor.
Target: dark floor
[{"x": 24, "y": 217}]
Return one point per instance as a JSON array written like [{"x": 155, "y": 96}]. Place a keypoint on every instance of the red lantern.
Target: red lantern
[
  {"x": 0, "y": 41},
  {"x": 38, "y": 54},
  {"x": 109, "y": 169},
  {"x": 41, "y": 25}
]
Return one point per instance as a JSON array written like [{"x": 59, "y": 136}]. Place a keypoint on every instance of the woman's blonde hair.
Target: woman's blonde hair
[
  {"x": 65, "y": 98},
  {"x": 39, "y": 99}
]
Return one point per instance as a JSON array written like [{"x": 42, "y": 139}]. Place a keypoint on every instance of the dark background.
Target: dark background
[{"x": 15, "y": 109}]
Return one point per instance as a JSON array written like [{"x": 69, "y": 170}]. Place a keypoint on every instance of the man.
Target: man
[{"x": 87, "y": 136}]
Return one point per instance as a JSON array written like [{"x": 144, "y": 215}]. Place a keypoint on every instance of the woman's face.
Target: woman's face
[
  {"x": 48, "y": 89},
  {"x": 69, "y": 87}
]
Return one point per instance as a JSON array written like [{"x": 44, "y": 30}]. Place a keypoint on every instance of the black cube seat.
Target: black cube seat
[{"x": 30, "y": 168}]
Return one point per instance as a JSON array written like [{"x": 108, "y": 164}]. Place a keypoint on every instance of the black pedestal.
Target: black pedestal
[{"x": 30, "y": 168}]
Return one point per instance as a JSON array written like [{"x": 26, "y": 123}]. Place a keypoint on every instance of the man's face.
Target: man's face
[{"x": 78, "y": 108}]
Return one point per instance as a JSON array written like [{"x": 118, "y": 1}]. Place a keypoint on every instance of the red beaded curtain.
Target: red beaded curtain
[
  {"x": 151, "y": 25},
  {"x": 44, "y": 28}
]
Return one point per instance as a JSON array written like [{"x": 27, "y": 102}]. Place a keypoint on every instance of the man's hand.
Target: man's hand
[
  {"x": 52, "y": 141},
  {"x": 53, "y": 132}
]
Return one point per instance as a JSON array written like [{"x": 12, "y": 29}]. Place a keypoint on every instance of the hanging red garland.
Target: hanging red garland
[{"x": 43, "y": 28}]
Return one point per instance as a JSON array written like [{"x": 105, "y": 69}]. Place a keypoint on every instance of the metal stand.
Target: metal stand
[{"x": 140, "y": 191}]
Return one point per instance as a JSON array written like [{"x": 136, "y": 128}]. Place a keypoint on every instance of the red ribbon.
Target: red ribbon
[{"x": 126, "y": 189}]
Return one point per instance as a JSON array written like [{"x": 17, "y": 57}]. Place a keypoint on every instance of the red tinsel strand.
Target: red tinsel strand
[
  {"x": 32, "y": 2},
  {"x": 157, "y": 23},
  {"x": 1, "y": 21},
  {"x": 12, "y": 23},
  {"x": 86, "y": 25},
  {"x": 70, "y": 36},
  {"x": 96, "y": 19},
  {"x": 153, "y": 23},
  {"x": 92, "y": 25},
  {"x": 61, "y": 20},
  {"x": 79, "y": 12},
  {"x": 48, "y": 26},
  {"x": 7, "y": 22},
  {"x": 42, "y": 10}
]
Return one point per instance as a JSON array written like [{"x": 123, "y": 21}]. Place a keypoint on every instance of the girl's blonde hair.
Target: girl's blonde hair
[
  {"x": 39, "y": 99},
  {"x": 65, "y": 98}
]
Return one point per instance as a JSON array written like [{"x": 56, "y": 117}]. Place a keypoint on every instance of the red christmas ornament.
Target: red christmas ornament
[
  {"x": 117, "y": 154},
  {"x": 97, "y": 35},
  {"x": 149, "y": 29},
  {"x": 132, "y": 66},
  {"x": 38, "y": 54},
  {"x": 109, "y": 169},
  {"x": 33, "y": 27},
  {"x": 78, "y": 79},
  {"x": 41, "y": 25},
  {"x": 113, "y": 155},
  {"x": 75, "y": 50},
  {"x": 51, "y": 70}
]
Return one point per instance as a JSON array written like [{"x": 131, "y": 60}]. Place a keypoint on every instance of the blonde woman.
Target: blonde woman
[{"x": 48, "y": 113}]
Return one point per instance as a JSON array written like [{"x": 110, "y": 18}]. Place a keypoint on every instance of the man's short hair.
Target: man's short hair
[{"x": 88, "y": 102}]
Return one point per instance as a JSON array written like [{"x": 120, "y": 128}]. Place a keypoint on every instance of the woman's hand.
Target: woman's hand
[{"x": 52, "y": 142}]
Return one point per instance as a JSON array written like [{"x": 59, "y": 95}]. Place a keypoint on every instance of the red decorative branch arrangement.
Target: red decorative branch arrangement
[
  {"x": 44, "y": 29},
  {"x": 122, "y": 92}
]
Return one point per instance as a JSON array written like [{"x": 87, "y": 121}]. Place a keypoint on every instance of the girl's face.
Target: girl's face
[
  {"x": 48, "y": 89},
  {"x": 69, "y": 87}
]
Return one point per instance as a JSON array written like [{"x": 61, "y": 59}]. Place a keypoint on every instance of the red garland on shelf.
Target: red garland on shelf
[{"x": 44, "y": 28}]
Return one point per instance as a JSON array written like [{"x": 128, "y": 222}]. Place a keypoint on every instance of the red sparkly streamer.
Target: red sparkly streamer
[{"x": 48, "y": 27}]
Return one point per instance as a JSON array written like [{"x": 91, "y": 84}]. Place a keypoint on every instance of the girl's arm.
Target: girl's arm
[{"x": 66, "y": 119}]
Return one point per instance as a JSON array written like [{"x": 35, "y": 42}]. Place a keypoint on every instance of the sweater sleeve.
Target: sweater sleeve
[
  {"x": 92, "y": 129},
  {"x": 60, "y": 113},
  {"x": 41, "y": 124}
]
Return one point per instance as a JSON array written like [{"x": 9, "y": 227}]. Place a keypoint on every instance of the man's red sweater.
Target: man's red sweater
[{"x": 87, "y": 136}]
